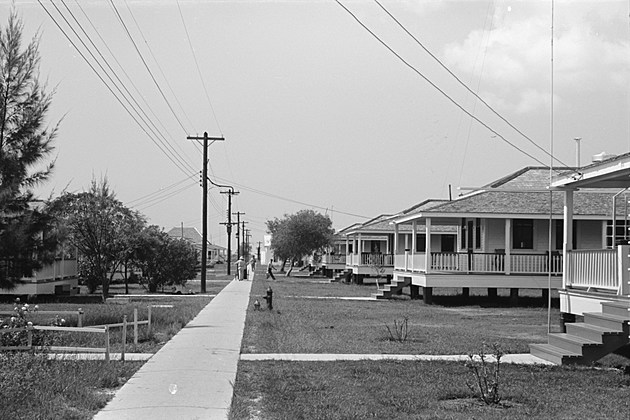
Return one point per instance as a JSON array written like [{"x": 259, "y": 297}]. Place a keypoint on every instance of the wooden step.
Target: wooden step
[
  {"x": 572, "y": 343},
  {"x": 616, "y": 308},
  {"x": 591, "y": 332},
  {"x": 554, "y": 354},
  {"x": 612, "y": 322}
]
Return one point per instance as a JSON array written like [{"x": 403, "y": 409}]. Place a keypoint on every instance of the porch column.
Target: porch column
[
  {"x": 567, "y": 243},
  {"x": 623, "y": 263},
  {"x": 347, "y": 249},
  {"x": 395, "y": 239},
  {"x": 359, "y": 249},
  {"x": 427, "y": 247},
  {"x": 413, "y": 242},
  {"x": 508, "y": 246}
]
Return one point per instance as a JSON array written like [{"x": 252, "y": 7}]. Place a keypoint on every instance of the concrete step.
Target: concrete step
[
  {"x": 616, "y": 308},
  {"x": 612, "y": 322},
  {"x": 554, "y": 354}
]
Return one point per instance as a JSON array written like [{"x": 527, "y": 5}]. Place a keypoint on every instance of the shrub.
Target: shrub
[{"x": 486, "y": 374}]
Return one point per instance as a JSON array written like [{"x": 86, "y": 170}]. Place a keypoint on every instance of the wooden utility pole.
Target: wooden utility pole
[
  {"x": 238, "y": 235},
  {"x": 228, "y": 226},
  {"x": 204, "y": 205}
]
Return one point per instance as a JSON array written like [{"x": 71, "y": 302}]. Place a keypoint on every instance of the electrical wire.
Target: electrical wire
[
  {"x": 111, "y": 90},
  {"x": 419, "y": 73},
  {"x": 468, "y": 88},
  {"x": 159, "y": 88},
  {"x": 203, "y": 83},
  {"x": 129, "y": 97}
]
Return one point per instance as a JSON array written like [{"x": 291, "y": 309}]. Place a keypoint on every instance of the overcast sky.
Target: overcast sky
[{"x": 316, "y": 110}]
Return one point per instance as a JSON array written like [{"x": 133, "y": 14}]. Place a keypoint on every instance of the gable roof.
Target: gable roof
[{"x": 189, "y": 233}]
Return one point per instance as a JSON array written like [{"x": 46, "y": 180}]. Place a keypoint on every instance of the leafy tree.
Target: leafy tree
[
  {"x": 101, "y": 227},
  {"x": 164, "y": 261},
  {"x": 300, "y": 234},
  {"x": 25, "y": 142}
]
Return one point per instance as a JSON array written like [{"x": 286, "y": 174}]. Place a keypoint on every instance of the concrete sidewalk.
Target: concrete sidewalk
[{"x": 191, "y": 377}]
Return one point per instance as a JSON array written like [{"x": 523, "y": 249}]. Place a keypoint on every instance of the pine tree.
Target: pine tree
[{"x": 25, "y": 143}]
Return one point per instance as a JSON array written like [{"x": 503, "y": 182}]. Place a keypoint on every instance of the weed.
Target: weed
[
  {"x": 400, "y": 330},
  {"x": 486, "y": 375}
]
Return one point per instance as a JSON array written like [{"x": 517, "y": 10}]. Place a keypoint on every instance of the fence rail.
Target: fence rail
[{"x": 105, "y": 329}]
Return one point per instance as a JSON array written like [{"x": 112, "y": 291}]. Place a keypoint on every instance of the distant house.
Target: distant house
[
  {"x": 500, "y": 237},
  {"x": 215, "y": 252}
]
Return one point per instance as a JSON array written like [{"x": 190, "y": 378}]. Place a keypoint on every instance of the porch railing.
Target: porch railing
[
  {"x": 368, "y": 258},
  {"x": 600, "y": 268},
  {"x": 333, "y": 259},
  {"x": 484, "y": 263}
]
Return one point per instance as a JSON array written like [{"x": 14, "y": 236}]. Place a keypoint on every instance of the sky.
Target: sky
[{"x": 347, "y": 115}]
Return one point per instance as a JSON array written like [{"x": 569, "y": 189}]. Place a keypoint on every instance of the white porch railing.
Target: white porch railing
[
  {"x": 333, "y": 259},
  {"x": 482, "y": 263},
  {"x": 600, "y": 268}
]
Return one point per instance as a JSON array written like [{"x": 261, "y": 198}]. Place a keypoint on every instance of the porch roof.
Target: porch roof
[
  {"x": 610, "y": 173},
  {"x": 519, "y": 195}
]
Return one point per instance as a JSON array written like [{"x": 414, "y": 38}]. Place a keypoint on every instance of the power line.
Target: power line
[
  {"x": 466, "y": 86},
  {"x": 122, "y": 22},
  {"x": 157, "y": 63},
  {"x": 129, "y": 97},
  {"x": 419, "y": 73},
  {"x": 161, "y": 191},
  {"x": 203, "y": 83},
  {"x": 290, "y": 200},
  {"x": 125, "y": 107}
]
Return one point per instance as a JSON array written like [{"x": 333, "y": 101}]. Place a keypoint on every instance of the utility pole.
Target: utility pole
[
  {"x": 228, "y": 226},
  {"x": 247, "y": 235},
  {"x": 238, "y": 227},
  {"x": 243, "y": 233},
  {"x": 204, "y": 205},
  {"x": 258, "y": 252}
]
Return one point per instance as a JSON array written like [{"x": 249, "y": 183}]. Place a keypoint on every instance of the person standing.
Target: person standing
[
  {"x": 251, "y": 268},
  {"x": 240, "y": 268},
  {"x": 270, "y": 269}
]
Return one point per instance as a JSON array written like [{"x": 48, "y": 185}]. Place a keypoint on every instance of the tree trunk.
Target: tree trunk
[
  {"x": 284, "y": 263},
  {"x": 105, "y": 288}
]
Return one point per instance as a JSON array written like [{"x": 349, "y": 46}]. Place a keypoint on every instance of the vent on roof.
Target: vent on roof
[{"x": 600, "y": 157}]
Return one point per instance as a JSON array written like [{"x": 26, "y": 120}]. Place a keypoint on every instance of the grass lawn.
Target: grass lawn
[
  {"x": 305, "y": 325},
  {"x": 409, "y": 390},
  {"x": 35, "y": 388}
]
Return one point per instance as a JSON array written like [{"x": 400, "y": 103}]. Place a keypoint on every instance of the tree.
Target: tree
[
  {"x": 101, "y": 227},
  {"x": 25, "y": 142},
  {"x": 164, "y": 261},
  {"x": 298, "y": 235}
]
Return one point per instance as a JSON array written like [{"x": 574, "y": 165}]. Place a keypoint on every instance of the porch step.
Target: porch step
[
  {"x": 554, "y": 354},
  {"x": 611, "y": 322},
  {"x": 341, "y": 275},
  {"x": 585, "y": 342},
  {"x": 592, "y": 332},
  {"x": 616, "y": 308},
  {"x": 389, "y": 289}
]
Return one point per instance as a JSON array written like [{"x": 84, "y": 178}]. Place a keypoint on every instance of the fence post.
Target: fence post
[
  {"x": 29, "y": 336},
  {"x": 135, "y": 328},
  {"x": 107, "y": 343},
  {"x": 149, "y": 324},
  {"x": 80, "y": 318},
  {"x": 124, "y": 338}
]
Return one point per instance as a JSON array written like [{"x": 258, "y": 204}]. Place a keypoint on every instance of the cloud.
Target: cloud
[{"x": 516, "y": 57}]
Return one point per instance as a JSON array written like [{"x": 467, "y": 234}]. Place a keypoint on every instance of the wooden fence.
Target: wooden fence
[{"x": 99, "y": 329}]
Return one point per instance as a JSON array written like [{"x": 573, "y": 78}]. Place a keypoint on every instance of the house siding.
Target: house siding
[{"x": 494, "y": 234}]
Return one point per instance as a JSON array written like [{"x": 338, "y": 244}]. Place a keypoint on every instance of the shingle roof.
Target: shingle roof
[
  {"x": 190, "y": 233},
  {"x": 491, "y": 200}
]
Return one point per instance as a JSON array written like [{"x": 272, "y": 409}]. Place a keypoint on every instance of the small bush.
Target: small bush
[
  {"x": 486, "y": 375},
  {"x": 400, "y": 330}
]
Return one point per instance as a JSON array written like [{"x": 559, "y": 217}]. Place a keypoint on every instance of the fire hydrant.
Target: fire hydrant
[{"x": 269, "y": 298}]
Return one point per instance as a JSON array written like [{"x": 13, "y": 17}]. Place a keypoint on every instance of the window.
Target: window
[
  {"x": 477, "y": 233},
  {"x": 523, "y": 234},
  {"x": 621, "y": 226},
  {"x": 421, "y": 244}
]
